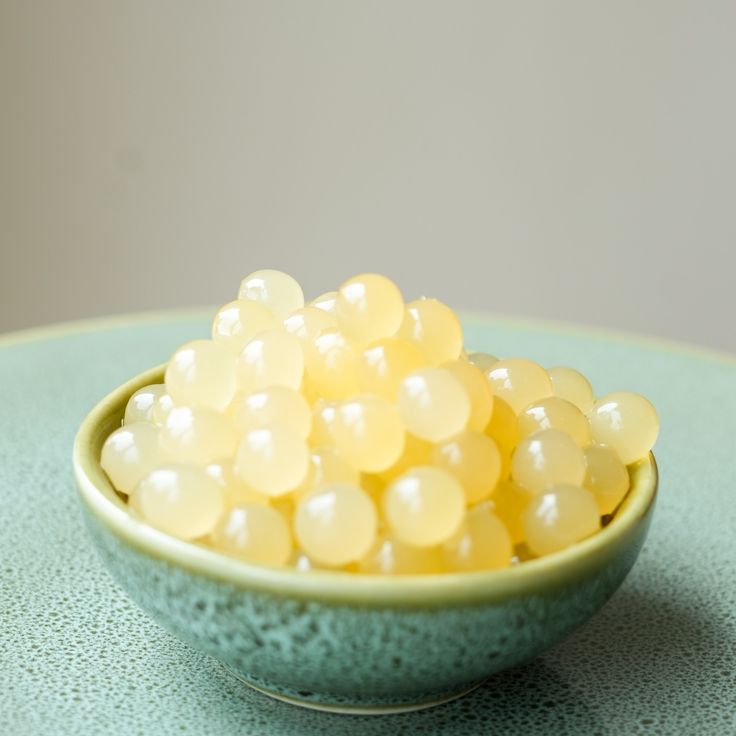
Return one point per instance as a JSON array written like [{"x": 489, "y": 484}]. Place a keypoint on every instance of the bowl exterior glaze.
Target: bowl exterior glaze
[{"x": 345, "y": 644}]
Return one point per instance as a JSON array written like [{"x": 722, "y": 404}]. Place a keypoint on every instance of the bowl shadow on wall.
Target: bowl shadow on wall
[{"x": 635, "y": 658}]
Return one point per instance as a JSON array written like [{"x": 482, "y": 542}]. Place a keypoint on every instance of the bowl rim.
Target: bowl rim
[{"x": 532, "y": 576}]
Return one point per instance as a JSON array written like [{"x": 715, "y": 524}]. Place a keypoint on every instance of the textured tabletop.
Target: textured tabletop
[{"x": 76, "y": 657}]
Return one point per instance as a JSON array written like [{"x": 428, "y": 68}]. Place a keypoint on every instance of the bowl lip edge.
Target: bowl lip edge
[{"x": 531, "y": 577}]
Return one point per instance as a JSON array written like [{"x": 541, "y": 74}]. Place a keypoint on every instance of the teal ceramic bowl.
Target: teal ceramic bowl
[{"x": 352, "y": 643}]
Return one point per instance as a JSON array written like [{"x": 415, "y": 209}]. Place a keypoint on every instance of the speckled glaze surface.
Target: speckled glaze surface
[{"x": 78, "y": 657}]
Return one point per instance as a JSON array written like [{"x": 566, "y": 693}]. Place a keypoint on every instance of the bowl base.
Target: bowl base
[{"x": 346, "y": 708}]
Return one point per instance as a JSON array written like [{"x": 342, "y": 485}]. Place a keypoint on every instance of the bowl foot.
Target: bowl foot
[{"x": 315, "y": 703}]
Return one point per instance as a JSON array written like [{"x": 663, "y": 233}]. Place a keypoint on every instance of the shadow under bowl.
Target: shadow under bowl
[{"x": 346, "y": 642}]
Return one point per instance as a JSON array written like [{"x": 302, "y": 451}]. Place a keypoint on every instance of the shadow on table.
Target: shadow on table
[{"x": 617, "y": 664}]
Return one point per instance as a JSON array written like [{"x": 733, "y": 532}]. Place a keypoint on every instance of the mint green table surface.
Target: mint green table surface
[{"x": 76, "y": 657}]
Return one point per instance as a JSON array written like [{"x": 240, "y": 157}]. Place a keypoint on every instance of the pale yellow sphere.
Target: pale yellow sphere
[
  {"x": 509, "y": 502},
  {"x": 384, "y": 364},
  {"x": 559, "y": 517},
  {"x": 331, "y": 365},
  {"x": 129, "y": 453},
  {"x": 238, "y": 322},
  {"x": 368, "y": 307},
  {"x": 280, "y": 292},
  {"x": 255, "y": 533},
  {"x": 546, "y": 458},
  {"x": 474, "y": 459},
  {"x": 519, "y": 382},
  {"x": 424, "y": 507},
  {"x": 572, "y": 386},
  {"x": 141, "y": 403},
  {"x": 275, "y": 405},
  {"x": 625, "y": 422},
  {"x": 327, "y": 467},
  {"x": 181, "y": 500},
  {"x": 323, "y": 415},
  {"x": 326, "y": 302},
  {"x": 416, "y": 452},
  {"x": 606, "y": 477},
  {"x": 197, "y": 435},
  {"x": 479, "y": 392},
  {"x": 481, "y": 543},
  {"x": 162, "y": 405},
  {"x": 433, "y": 404},
  {"x": 368, "y": 432},
  {"x": 273, "y": 358},
  {"x": 483, "y": 361},
  {"x": 272, "y": 460},
  {"x": 435, "y": 329},
  {"x": 235, "y": 489},
  {"x": 390, "y": 557},
  {"x": 201, "y": 373},
  {"x": 504, "y": 427},
  {"x": 336, "y": 525},
  {"x": 306, "y": 324},
  {"x": 555, "y": 413}
]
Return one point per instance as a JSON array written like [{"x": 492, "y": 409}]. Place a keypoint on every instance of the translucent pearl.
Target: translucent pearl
[
  {"x": 332, "y": 366},
  {"x": 236, "y": 492},
  {"x": 272, "y": 460},
  {"x": 277, "y": 290},
  {"x": 546, "y": 458},
  {"x": 561, "y": 516},
  {"x": 572, "y": 386},
  {"x": 519, "y": 382},
  {"x": 504, "y": 429},
  {"x": 368, "y": 307},
  {"x": 323, "y": 415},
  {"x": 197, "y": 435},
  {"x": 254, "y": 533},
  {"x": 325, "y": 302},
  {"x": 627, "y": 423},
  {"x": 327, "y": 467},
  {"x": 274, "y": 358},
  {"x": 479, "y": 392},
  {"x": 201, "y": 373},
  {"x": 306, "y": 324},
  {"x": 416, "y": 452},
  {"x": 161, "y": 408},
  {"x": 275, "y": 405},
  {"x": 474, "y": 459},
  {"x": 140, "y": 404},
  {"x": 336, "y": 525},
  {"x": 384, "y": 364},
  {"x": 433, "y": 404},
  {"x": 481, "y": 543},
  {"x": 435, "y": 329},
  {"x": 129, "y": 453},
  {"x": 302, "y": 563},
  {"x": 391, "y": 557},
  {"x": 606, "y": 477},
  {"x": 368, "y": 432},
  {"x": 424, "y": 507},
  {"x": 484, "y": 361},
  {"x": 181, "y": 500},
  {"x": 238, "y": 322},
  {"x": 509, "y": 503},
  {"x": 555, "y": 413}
]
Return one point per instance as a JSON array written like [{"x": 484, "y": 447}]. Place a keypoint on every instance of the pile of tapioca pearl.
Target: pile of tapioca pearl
[{"x": 355, "y": 433}]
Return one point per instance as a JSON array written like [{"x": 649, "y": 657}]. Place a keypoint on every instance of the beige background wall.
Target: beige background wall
[{"x": 575, "y": 160}]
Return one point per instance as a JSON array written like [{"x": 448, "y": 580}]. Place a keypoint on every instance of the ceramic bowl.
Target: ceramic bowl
[{"x": 344, "y": 642}]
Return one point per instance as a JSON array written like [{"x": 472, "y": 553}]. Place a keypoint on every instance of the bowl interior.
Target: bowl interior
[{"x": 109, "y": 508}]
